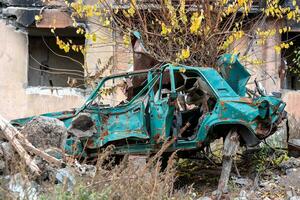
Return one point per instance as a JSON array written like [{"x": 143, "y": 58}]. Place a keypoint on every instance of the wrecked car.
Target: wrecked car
[{"x": 192, "y": 106}]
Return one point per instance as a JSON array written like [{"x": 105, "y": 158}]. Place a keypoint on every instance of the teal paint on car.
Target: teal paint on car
[{"x": 193, "y": 105}]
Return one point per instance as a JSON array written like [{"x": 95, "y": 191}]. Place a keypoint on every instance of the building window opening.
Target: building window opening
[
  {"x": 50, "y": 66},
  {"x": 289, "y": 70}
]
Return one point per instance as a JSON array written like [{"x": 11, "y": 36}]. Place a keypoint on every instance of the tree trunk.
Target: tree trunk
[{"x": 230, "y": 148}]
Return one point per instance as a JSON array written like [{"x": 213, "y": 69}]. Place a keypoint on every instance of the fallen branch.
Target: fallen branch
[
  {"x": 10, "y": 133},
  {"x": 36, "y": 151}
]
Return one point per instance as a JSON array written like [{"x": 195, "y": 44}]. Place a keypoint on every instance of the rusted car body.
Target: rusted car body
[{"x": 190, "y": 105}]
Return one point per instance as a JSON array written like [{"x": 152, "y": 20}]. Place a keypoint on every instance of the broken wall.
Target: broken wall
[
  {"x": 108, "y": 48},
  {"x": 16, "y": 99},
  {"x": 292, "y": 98}
]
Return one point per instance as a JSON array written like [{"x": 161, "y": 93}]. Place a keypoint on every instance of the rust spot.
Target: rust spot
[
  {"x": 207, "y": 127},
  {"x": 105, "y": 133},
  {"x": 156, "y": 137},
  {"x": 199, "y": 144},
  {"x": 172, "y": 103},
  {"x": 222, "y": 103},
  {"x": 246, "y": 100},
  {"x": 90, "y": 143},
  {"x": 262, "y": 131}
]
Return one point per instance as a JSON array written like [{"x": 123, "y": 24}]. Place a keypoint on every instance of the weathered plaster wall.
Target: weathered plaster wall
[
  {"x": 264, "y": 72},
  {"x": 107, "y": 48},
  {"x": 292, "y": 98},
  {"x": 267, "y": 72},
  {"x": 15, "y": 100},
  {"x": 293, "y": 102}
]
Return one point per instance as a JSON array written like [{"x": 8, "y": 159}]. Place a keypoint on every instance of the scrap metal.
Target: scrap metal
[{"x": 154, "y": 115}]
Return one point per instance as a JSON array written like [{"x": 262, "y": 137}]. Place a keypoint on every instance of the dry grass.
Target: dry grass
[{"x": 128, "y": 180}]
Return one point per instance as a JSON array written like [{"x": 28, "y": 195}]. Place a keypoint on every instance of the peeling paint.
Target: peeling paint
[{"x": 56, "y": 91}]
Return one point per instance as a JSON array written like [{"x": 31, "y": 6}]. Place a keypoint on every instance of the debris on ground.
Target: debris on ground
[
  {"x": 7, "y": 151},
  {"x": 290, "y": 163},
  {"x": 45, "y": 132},
  {"x": 242, "y": 182},
  {"x": 22, "y": 188},
  {"x": 281, "y": 181},
  {"x": 85, "y": 169},
  {"x": 280, "y": 138},
  {"x": 66, "y": 176}
]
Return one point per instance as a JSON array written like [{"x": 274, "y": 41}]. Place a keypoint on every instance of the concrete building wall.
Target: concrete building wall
[
  {"x": 16, "y": 99},
  {"x": 292, "y": 98}
]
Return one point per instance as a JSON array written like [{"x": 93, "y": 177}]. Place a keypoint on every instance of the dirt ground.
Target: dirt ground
[{"x": 260, "y": 174}]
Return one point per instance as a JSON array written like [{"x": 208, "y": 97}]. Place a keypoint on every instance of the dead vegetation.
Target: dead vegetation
[
  {"x": 128, "y": 180},
  {"x": 125, "y": 181},
  {"x": 42, "y": 175}
]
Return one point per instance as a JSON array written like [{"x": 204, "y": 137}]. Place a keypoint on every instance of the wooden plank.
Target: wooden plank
[{"x": 230, "y": 148}]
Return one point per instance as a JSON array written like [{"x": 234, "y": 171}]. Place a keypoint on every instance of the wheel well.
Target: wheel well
[{"x": 247, "y": 137}]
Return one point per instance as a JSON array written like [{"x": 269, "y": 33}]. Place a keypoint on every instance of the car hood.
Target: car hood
[{"x": 234, "y": 73}]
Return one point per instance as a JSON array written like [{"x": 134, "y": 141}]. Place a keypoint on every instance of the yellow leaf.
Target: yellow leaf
[
  {"x": 74, "y": 47},
  {"x": 285, "y": 29},
  {"x": 185, "y": 53},
  {"x": 66, "y": 48},
  {"x": 277, "y": 49},
  {"x": 196, "y": 21},
  {"x": 182, "y": 70},
  {"x": 38, "y": 18},
  {"x": 290, "y": 15},
  {"x": 106, "y": 22},
  {"x": 94, "y": 37},
  {"x": 126, "y": 40},
  {"x": 131, "y": 11},
  {"x": 182, "y": 12},
  {"x": 164, "y": 29}
]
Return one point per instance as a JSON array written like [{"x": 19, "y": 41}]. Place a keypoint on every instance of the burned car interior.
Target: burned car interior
[{"x": 192, "y": 97}]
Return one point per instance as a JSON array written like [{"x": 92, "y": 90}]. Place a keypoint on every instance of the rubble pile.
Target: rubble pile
[
  {"x": 39, "y": 145},
  {"x": 44, "y": 132}
]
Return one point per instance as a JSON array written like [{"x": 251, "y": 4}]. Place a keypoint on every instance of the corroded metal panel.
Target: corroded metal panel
[{"x": 149, "y": 118}]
